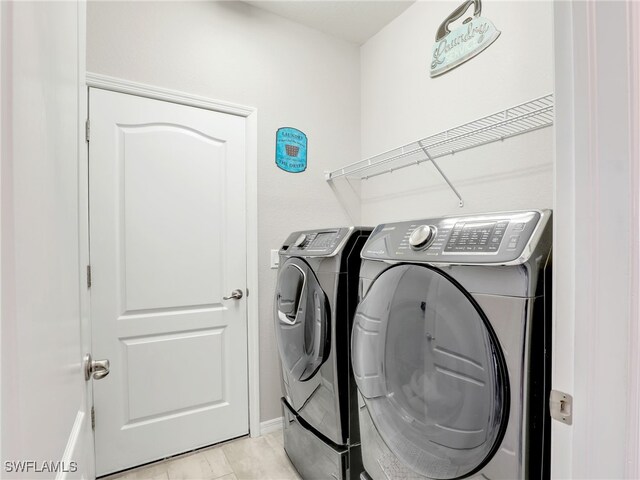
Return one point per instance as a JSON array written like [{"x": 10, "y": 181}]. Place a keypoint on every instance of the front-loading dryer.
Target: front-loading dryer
[
  {"x": 316, "y": 297},
  {"x": 450, "y": 347}
]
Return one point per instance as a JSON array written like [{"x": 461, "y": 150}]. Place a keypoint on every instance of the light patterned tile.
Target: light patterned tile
[
  {"x": 243, "y": 459},
  {"x": 156, "y": 471},
  {"x": 151, "y": 474},
  {"x": 276, "y": 439},
  {"x": 192, "y": 467},
  {"x": 255, "y": 459},
  {"x": 217, "y": 461}
]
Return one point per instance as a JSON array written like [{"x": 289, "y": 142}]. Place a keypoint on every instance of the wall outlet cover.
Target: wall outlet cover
[{"x": 275, "y": 258}]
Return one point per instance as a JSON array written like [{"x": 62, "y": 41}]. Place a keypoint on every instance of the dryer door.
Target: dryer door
[
  {"x": 431, "y": 372},
  {"x": 302, "y": 320}
]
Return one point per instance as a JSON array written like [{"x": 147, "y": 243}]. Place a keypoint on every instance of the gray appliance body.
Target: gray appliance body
[
  {"x": 451, "y": 347},
  {"x": 316, "y": 297}
]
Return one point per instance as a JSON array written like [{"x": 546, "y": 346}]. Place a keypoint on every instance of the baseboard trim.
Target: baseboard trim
[
  {"x": 71, "y": 453},
  {"x": 269, "y": 426}
]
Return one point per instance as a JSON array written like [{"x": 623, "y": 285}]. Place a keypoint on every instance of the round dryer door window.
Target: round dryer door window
[
  {"x": 430, "y": 370},
  {"x": 302, "y": 320}
]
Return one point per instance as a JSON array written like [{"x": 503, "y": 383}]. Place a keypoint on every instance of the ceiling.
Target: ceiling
[{"x": 352, "y": 20}]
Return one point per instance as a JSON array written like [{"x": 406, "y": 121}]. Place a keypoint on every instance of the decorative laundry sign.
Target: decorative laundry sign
[
  {"x": 291, "y": 150},
  {"x": 453, "y": 48}
]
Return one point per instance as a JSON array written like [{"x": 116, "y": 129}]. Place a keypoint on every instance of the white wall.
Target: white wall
[
  {"x": 43, "y": 416},
  {"x": 401, "y": 103},
  {"x": 295, "y": 77}
]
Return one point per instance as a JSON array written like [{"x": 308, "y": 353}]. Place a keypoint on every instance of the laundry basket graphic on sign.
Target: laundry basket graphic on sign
[{"x": 292, "y": 150}]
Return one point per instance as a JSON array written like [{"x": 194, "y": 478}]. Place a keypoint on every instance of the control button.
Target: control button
[
  {"x": 300, "y": 240},
  {"x": 518, "y": 227},
  {"x": 422, "y": 236},
  {"x": 513, "y": 242}
]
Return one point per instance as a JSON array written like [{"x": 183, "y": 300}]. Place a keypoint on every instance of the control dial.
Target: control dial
[
  {"x": 300, "y": 240},
  {"x": 422, "y": 237}
]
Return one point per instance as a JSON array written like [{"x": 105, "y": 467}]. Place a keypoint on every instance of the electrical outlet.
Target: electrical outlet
[{"x": 275, "y": 259}]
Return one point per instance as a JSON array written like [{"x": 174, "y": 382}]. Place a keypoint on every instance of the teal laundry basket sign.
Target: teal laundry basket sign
[{"x": 291, "y": 150}]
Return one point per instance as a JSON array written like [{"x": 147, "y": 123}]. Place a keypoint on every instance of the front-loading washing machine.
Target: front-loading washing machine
[
  {"x": 450, "y": 347},
  {"x": 316, "y": 297}
]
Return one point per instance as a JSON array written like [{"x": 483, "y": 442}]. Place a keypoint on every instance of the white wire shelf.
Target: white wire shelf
[{"x": 523, "y": 118}]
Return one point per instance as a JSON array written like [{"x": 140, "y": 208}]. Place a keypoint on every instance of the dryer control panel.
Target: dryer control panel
[
  {"x": 315, "y": 243},
  {"x": 496, "y": 238}
]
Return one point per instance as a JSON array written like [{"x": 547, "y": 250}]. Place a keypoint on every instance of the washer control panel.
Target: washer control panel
[
  {"x": 476, "y": 236},
  {"x": 314, "y": 242},
  {"x": 300, "y": 240},
  {"x": 422, "y": 237},
  {"x": 490, "y": 238}
]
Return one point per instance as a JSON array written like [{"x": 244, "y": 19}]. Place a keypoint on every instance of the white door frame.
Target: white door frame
[
  {"x": 251, "y": 115},
  {"x": 79, "y": 439},
  {"x": 633, "y": 435},
  {"x": 85, "y": 435},
  {"x": 597, "y": 230}
]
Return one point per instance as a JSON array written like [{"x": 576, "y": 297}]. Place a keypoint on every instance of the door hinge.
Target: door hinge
[
  {"x": 561, "y": 406},
  {"x": 87, "y": 130},
  {"x": 93, "y": 418},
  {"x": 88, "y": 276}
]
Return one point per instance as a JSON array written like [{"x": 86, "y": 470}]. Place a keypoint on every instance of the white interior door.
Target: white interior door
[{"x": 167, "y": 225}]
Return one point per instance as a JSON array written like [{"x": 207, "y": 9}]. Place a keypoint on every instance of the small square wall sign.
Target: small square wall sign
[{"x": 291, "y": 150}]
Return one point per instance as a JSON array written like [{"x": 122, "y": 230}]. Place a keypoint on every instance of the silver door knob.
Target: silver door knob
[
  {"x": 95, "y": 368},
  {"x": 235, "y": 295}
]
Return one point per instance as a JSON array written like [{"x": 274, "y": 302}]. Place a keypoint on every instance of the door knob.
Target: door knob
[
  {"x": 235, "y": 295},
  {"x": 95, "y": 368}
]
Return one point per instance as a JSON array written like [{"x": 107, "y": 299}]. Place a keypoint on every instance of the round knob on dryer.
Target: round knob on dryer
[
  {"x": 300, "y": 240},
  {"x": 422, "y": 237}
]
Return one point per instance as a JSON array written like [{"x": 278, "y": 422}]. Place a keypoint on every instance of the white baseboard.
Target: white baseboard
[
  {"x": 75, "y": 452},
  {"x": 269, "y": 426}
]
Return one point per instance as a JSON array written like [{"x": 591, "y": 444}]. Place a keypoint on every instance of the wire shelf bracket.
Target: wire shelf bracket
[{"x": 517, "y": 120}]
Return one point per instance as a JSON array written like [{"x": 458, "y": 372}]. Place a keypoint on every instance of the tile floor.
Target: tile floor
[{"x": 261, "y": 458}]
